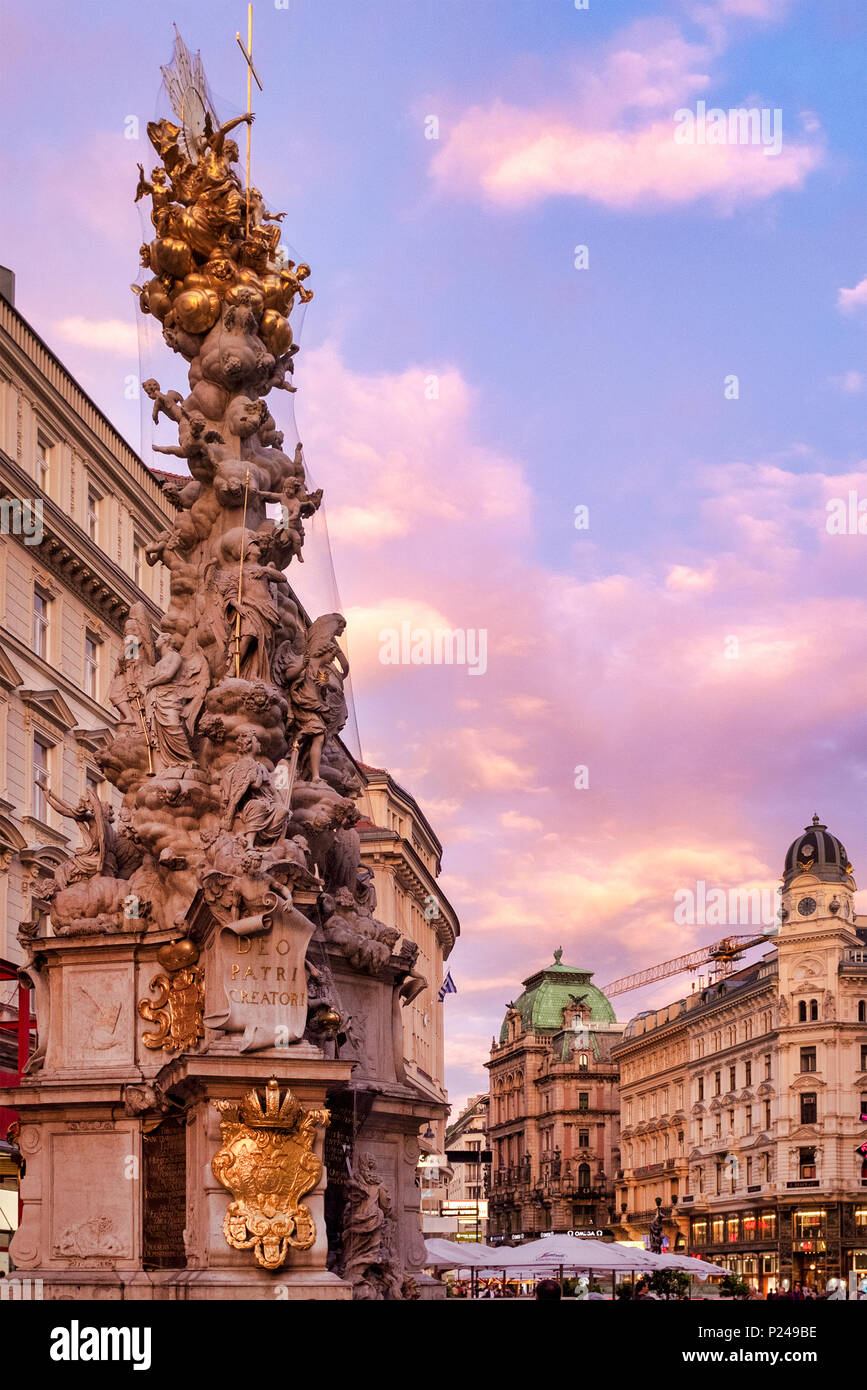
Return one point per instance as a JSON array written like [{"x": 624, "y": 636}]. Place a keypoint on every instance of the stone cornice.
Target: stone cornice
[
  {"x": 73, "y": 557},
  {"x": 402, "y": 861},
  {"x": 78, "y": 418},
  {"x": 375, "y": 776}
]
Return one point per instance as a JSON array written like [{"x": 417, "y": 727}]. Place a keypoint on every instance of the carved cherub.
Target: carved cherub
[
  {"x": 170, "y": 403},
  {"x": 291, "y": 278},
  {"x": 160, "y": 194},
  {"x": 196, "y": 438}
]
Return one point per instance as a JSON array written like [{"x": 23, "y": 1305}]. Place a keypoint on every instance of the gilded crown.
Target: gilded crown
[{"x": 277, "y": 1114}]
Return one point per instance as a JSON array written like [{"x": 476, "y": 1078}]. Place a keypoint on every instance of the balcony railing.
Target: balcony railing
[{"x": 648, "y": 1215}]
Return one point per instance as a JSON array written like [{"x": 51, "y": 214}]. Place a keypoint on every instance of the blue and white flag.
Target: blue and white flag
[{"x": 448, "y": 986}]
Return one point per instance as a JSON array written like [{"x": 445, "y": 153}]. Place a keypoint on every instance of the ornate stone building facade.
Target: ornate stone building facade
[
  {"x": 399, "y": 846},
  {"x": 71, "y": 483},
  {"x": 740, "y": 1103},
  {"x": 466, "y": 1190},
  {"x": 554, "y": 1108}
]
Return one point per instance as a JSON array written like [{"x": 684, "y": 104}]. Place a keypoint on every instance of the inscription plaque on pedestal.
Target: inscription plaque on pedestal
[
  {"x": 164, "y": 1195},
  {"x": 256, "y": 979}
]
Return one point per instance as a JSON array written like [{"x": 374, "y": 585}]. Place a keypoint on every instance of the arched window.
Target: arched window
[
  {"x": 583, "y": 1174},
  {"x": 582, "y": 1062},
  {"x": 862, "y": 1010},
  {"x": 814, "y": 1010},
  {"x": 802, "y": 1011}
]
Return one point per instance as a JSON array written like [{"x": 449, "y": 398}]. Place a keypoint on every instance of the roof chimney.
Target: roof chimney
[{"x": 7, "y": 284}]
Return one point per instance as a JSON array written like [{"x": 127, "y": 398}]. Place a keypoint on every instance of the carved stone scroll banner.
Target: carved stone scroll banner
[
  {"x": 266, "y": 1161},
  {"x": 259, "y": 980}
]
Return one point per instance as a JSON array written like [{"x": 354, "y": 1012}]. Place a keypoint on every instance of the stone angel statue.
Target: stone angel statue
[
  {"x": 135, "y": 661},
  {"x": 315, "y": 683},
  {"x": 166, "y": 696},
  {"x": 97, "y": 853}
]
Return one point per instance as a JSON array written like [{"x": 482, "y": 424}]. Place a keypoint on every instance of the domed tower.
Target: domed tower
[
  {"x": 554, "y": 1107},
  {"x": 819, "y": 1055},
  {"x": 818, "y": 882}
]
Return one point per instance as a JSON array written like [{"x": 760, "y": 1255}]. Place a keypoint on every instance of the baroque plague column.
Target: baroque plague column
[{"x": 218, "y": 1103}]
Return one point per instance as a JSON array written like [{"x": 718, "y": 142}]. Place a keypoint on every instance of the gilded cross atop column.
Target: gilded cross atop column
[{"x": 251, "y": 73}]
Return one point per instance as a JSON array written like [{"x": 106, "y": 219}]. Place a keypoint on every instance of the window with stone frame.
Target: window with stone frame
[
  {"x": 42, "y": 748},
  {"x": 94, "y": 498},
  {"x": 41, "y": 621},
  {"x": 92, "y": 644},
  {"x": 808, "y": 1108},
  {"x": 138, "y": 560},
  {"x": 808, "y": 1059},
  {"x": 807, "y": 1164},
  {"x": 43, "y": 464}
]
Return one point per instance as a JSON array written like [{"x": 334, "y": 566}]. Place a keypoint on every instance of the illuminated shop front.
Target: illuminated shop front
[
  {"x": 744, "y": 1242},
  {"x": 805, "y": 1244}
]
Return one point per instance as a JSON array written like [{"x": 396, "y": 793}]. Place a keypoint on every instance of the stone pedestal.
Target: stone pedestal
[
  {"x": 378, "y": 1116},
  {"x": 118, "y": 1140}
]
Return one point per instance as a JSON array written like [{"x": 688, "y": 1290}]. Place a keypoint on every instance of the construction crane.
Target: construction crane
[{"x": 722, "y": 953}]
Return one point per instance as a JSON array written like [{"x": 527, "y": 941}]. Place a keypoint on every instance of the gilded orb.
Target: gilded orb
[
  {"x": 155, "y": 300},
  {"x": 171, "y": 256},
  {"x": 275, "y": 332},
  {"x": 243, "y": 292},
  {"x": 177, "y": 955},
  {"x": 197, "y": 310},
  {"x": 275, "y": 293}
]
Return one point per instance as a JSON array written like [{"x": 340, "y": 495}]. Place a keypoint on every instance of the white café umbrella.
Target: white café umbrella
[
  {"x": 453, "y": 1254},
  {"x": 572, "y": 1252},
  {"x": 689, "y": 1264}
]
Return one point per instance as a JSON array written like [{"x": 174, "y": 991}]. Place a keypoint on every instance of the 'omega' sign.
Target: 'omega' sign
[{"x": 585, "y": 1234}]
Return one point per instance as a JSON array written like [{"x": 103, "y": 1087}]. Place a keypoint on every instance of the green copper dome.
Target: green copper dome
[{"x": 553, "y": 989}]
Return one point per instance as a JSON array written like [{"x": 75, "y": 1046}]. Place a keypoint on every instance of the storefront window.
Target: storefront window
[
  {"x": 699, "y": 1233},
  {"x": 809, "y": 1227},
  {"x": 733, "y": 1226},
  {"x": 717, "y": 1230},
  {"x": 749, "y": 1228},
  {"x": 768, "y": 1225}
]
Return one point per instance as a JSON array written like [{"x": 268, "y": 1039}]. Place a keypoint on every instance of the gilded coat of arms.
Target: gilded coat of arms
[
  {"x": 266, "y": 1161},
  {"x": 177, "y": 1010}
]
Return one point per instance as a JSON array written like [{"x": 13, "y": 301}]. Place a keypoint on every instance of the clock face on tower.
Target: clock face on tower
[{"x": 807, "y": 906}]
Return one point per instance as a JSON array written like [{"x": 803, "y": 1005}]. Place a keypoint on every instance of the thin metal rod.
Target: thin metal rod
[{"x": 241, "y": 580}]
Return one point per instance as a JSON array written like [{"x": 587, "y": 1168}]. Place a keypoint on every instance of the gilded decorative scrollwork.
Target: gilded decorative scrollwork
[
  {"x": 177, "y": 1010},
  {"x": 266, "y": 1161}
]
